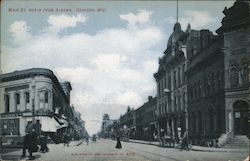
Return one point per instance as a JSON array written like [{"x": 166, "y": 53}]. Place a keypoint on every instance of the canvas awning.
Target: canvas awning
[
  {"x": 62, "y": 123},
  {"x": 48, "y": 124}
]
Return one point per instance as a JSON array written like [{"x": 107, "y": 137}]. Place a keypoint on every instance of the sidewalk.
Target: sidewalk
[
  {"x": 195, "y": 147},
  {"x": 75, "y": 143}
]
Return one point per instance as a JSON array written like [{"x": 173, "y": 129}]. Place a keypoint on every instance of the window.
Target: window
[
  {"x": 245, "y": 73},
  {"x": 183, "y": 101},
  {"x": 200, "y": 88},
  {"x": 7, "y": 103},
  {"x": 17, "y": 97},
  {"x": 191, "y": 92},
  {"x": 195, "y": 92},
  {"x": 175, "y": 103},
  {"x": 234, "y": 79},
  {"x": 179, "y": 102},
  {"x": 211, "y": 119},
  {"x": 183, "y": 74},
  {"x": 175, "y": 79},
  {"x": 46, "y": 97},
  {"x": 158, "y": 88},
  {"x": 179, "y": 76},
  {"x": 165, "y": 106},
  {"x": 169, "y": 82},
  {"x": 27, "y": 97}
]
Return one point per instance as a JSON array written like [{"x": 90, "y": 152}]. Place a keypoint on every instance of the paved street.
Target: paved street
[{"x": 104, "y": 150}]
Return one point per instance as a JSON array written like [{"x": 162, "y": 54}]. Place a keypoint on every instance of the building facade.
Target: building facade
[
  {"x": 235, "y": 31},
  {"x": 203, "y": 80},
  {"x": 33, "y": 98},
  {"x": 146, "y": 127},
  {"x": 218, "y": 80},
  {"x": 205, "y": 75},
  {"x": 172, "y": 85}
]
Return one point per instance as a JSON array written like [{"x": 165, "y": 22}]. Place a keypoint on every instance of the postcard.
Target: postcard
[{"x": 125, "y": 80}]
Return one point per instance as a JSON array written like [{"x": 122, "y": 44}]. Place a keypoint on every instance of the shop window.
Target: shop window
[{"x": 10, "y": 126}]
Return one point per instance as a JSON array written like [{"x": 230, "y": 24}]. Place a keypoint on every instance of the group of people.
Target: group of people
[{"x": 30, "y": 143}]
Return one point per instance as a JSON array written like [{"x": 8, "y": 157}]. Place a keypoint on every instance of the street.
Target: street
[{"x": 104, "y": 150}]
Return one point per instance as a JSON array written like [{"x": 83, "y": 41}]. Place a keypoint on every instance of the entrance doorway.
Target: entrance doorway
[{"x": 240, "y": 117}]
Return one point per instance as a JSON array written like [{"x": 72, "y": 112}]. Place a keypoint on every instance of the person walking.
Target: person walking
[
  {"x": 66, "y": 139},
  {"x": 43, "y": 142},
  {"x": 118, "y": 143},
  {"x": 25, "y": 144},
  {"x": 30, "y": 143},
  {"x": 185, "y": 142}
]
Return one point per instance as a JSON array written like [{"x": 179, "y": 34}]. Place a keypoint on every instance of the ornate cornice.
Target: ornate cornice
[{"x": 30, "y": 73}]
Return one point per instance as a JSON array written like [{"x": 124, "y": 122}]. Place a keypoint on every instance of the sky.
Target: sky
[{"x": 108, "y": 50}]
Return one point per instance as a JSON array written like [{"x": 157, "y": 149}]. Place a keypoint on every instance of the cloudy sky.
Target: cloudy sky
[{"x": 108, "y": 50}]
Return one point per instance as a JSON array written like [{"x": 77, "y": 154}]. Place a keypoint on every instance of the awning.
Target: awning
[
  {"x": 62, "y": 123},
  {"x": 48, "y": 124}
]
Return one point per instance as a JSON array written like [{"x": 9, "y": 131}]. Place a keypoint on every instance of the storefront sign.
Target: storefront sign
[{"x": 6, "y": 115}]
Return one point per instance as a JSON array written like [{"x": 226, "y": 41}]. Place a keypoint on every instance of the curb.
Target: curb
[{"x": 195, "y": 149}]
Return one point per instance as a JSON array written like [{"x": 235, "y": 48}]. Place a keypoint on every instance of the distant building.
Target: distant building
[
  {"x": 127, "y": 123},
  {"x": 108, "y": 127},
  {"x": 145, "y": 121}
]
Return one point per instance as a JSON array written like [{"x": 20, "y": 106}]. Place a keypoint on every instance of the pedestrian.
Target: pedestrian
[
  {"x": 185, "y": 144},
  {"x": 66, "y": 139},
  {"x": 25, "y": 144},
  {"x": 31, "y": 144},
  {"x": 118, "y": 143},
  {"x": 43, "y": 143}
]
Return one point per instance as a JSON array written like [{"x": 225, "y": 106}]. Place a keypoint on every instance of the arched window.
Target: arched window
[
  {"x": 234, "y": 76},
  {"x": 245, "y": 73}
]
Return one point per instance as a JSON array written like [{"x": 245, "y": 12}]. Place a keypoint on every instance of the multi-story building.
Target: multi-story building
[
  {"x": 205, "y": 75},
  {"x": 109, "y": 127},
  {"x": 145, "y": 120},
  {"x": 33, "y": 98},
  {"x": 172, "y": 84},
  {"x": 213, "y": 70},
  {"x": 127, "y": 123},
  {"x": 235, "y": 31},
  {"x": 218, "y": 79}
]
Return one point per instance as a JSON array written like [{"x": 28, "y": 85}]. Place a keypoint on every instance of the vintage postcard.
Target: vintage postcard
[{"x": 125, "y": 80}]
